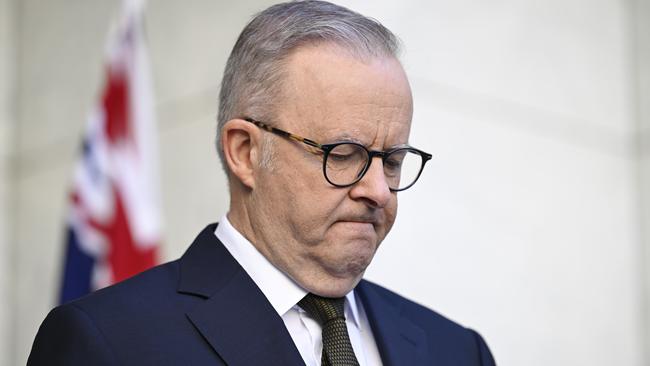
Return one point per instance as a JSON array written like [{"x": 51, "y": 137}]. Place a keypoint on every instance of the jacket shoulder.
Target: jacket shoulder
[
  {"x": 448, "y": 341},
  {"x": 68, "y": 336},
  {"x": 148, "y": 287},
  {"x": 411, "y": 309},
  {"x": 131, "y": 320}
]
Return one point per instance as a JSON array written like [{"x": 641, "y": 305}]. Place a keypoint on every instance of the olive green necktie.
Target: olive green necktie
[{"x": 328, "y": 312}]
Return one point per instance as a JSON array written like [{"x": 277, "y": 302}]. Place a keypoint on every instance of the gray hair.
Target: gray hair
[{"x": 253, "y": 75}]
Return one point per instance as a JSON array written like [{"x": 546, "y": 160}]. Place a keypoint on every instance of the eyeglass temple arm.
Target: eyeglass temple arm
[{"x": 283, "y": 133}]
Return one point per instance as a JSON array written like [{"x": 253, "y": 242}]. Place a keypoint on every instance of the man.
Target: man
[{"x": 314, "y": 119}]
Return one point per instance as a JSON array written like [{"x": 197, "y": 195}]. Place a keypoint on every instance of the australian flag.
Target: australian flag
[{"x": 113, "y": 224}]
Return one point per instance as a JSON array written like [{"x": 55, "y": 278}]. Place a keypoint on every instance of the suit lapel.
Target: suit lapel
[
  {"x": 399, "y": 340},
  {"x": 236, "y": 318}
]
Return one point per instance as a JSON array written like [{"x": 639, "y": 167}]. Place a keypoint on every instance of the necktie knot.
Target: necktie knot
[{"x": 323, "y": 309}]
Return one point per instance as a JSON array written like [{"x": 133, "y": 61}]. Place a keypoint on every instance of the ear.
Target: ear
[{"x": 241, "y": 149}]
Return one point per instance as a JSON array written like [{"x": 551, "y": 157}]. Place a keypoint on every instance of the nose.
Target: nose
[{"x": 373, "y": 187}]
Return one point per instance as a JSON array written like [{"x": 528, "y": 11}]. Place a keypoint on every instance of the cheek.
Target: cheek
[
  {"x": 307, "y": 200},
  {"x": 316, "y": 208}
]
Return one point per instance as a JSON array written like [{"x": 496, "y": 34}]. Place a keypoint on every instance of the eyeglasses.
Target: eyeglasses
[{"x": 345, "y": 163}]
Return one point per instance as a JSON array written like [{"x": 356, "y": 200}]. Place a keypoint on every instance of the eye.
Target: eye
[
  {"x": 346, "y": 152},
  {"x": 341, "y": 157},
  {"x": 392, "y": 164}
]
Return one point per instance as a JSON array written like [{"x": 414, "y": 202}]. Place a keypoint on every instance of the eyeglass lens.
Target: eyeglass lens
[{"x": 345, "y": 165}]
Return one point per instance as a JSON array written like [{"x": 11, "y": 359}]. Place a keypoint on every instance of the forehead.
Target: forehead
[{"x": 330, "y": 94}]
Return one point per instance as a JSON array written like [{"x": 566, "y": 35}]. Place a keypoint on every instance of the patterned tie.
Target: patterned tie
[{"x": 328, "y": 312}]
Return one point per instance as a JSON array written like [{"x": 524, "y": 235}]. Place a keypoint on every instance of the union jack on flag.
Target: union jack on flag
[{"x": 113, "y": 224}]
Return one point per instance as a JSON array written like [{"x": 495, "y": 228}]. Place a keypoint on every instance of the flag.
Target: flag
[{"x": 113, "y": 223}]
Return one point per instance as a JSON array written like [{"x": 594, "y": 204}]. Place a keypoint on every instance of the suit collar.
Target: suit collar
[
  {"x": 206, "y": 266},
  {"x": 235, "y": 318},
  {"x": 400, "y": 341}
]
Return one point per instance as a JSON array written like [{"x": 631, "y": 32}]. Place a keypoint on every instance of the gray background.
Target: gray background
[{"x": 530, "y": 224}]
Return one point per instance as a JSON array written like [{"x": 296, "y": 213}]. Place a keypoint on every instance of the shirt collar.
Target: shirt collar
[
  {"x": 280, "y": 290},
  {"x": 351, "y": 308}
]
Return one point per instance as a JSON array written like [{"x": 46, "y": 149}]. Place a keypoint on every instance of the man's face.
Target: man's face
[{"x": 322, "y": 236}]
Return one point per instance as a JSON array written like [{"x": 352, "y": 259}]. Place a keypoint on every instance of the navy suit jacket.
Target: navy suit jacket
[{"x": 204, "y": 309}]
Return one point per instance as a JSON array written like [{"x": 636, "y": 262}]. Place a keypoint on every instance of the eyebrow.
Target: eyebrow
[{"x": 346, "y": 137}]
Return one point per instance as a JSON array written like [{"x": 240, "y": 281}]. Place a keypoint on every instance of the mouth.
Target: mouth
[
  {"x": 360, "y": 222},
  {"x": 357, "y": 223}
]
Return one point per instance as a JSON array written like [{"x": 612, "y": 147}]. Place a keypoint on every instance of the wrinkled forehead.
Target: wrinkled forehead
[{"x": 331, "y": 92}]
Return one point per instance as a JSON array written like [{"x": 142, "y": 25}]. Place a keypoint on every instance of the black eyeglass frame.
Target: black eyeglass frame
[{"x": 327, "y": 148}]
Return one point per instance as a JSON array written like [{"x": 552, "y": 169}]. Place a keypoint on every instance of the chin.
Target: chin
[
  {"x": 357, "y": 265},
  {"x": 335, "y": 287},
  {"x": 342, "y": 275},
  {"x": 337, "y": 274}
]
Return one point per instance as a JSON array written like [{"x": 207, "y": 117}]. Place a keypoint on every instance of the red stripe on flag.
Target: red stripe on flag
[
  {"x": 116, "y": 106},
  {"x": 125, "y": 257}
]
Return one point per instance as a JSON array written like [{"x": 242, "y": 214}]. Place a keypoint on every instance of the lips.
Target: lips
[{"x": 364, "y": 219}]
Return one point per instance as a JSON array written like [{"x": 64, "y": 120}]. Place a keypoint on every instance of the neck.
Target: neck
[{"x": 240, "y": 220}]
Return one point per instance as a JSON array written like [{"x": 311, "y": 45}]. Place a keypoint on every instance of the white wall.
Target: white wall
[
  {"x": 526, "y": 225},
  {"x": 641, "y": 11},
  {"x": 6, "y": 127}
]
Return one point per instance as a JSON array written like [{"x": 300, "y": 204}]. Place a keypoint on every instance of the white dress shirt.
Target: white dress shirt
[{"x": 283, "y": 294}]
